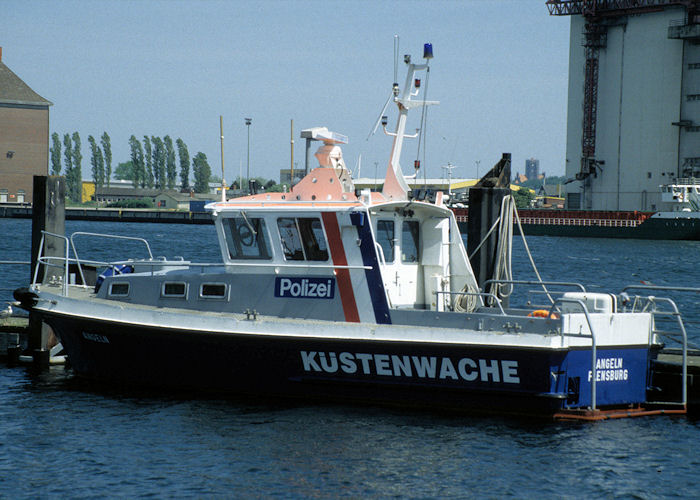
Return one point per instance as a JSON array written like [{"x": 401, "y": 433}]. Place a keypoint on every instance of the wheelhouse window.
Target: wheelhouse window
[
  {"x": 119, "y": 289},
  {"x": 302, "y": 238},
  {"x": 174, "y": 289},
  {"x": 410, "y": 234},
  {"x": 386, "y": 238},
  {"x": 213, "y": 291},
  {"x": 246, "y": 238}
]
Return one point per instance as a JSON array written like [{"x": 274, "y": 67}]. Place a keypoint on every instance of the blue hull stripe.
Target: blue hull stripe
[{"x": 373, "y": 275}]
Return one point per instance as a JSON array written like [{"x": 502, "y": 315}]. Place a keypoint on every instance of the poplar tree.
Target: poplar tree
[
  {"x": 97, "y": 162},
  {"x": 55, "y": 154},
  {"x": 184, "y": 165},
  {"x": 68, "y": 161},
  {"x": 107, "y": 150},
  {"x": 158, "y": 162},
  {"x": 147, "y": 154},
  {"x": 77, "y": 193},
  {"x": 139, "y": 171},
  {"x": 170, "y": 167},
  {"x": 101, "y": 165},
  {"x": 202, "y": 173}
]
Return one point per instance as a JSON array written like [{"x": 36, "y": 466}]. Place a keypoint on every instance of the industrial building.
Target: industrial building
[
  {"x": 24, "y": 137},
  {"x": 633, "y": 120}
]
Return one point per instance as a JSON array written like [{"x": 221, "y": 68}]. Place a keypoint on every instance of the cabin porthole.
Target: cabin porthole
[
  {"x": 213, "y": 291},
  {"x": 174, "y": 289},
  {"x": 119, "y": 289}
]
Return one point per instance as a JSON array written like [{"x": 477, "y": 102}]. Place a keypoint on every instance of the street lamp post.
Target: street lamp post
[{"x": 248, "y": 121}]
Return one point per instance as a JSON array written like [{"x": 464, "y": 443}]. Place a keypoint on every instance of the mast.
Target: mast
[
  {"x": 395, "y": 186},
  {"x": 223, "y": 180}
]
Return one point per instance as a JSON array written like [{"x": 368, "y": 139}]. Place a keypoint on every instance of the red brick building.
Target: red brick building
[{"x": 24, "y": 137}]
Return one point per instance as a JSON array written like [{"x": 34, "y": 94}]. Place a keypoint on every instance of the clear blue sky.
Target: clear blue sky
[{"x": 172, "y": 67}]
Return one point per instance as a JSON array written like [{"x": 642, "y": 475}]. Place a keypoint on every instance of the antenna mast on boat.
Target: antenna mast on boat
[
  {"x": 223, "y": 179},
  {"x": 395, "y": 186}
]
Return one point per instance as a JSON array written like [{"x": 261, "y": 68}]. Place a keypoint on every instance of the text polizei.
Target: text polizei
[{"x": 306, "y": 288}]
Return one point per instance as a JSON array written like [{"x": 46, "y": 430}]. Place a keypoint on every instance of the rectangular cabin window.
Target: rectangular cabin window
[
  {"x": 246, "y": 238},
  {"x": 386, "y": 238},
  {"x": 174, "y": 290},
  {"x": 119, "y": 289},
  {"x": 302, "y": 238},
  {"x": 410, "y": 241},
  {"x": 212, "y": 290}
]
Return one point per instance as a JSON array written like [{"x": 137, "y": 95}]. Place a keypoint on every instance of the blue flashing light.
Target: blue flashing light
[{"x": 428, "y": 51}]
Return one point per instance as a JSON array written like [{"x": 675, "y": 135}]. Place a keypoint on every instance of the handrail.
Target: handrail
[
  {"x": 533, "y": 282},
  {"x": 102, "y": 235},
  {"x": 41, "y": 256},
  {"x": 480, "y": 294},
  {"x": 679, "y": 319},
  {"x": 380, "y": 252},
  {"x": 38, "y": 259},
  {"x": 285, "y": 264},
  {"x": 113, "y": 236},
  {"x": 179, "y": 263},
  {"x": 658, "y": 287},
  {"x": 677, "y": 315},
  {"x": 594, "y": 354}
]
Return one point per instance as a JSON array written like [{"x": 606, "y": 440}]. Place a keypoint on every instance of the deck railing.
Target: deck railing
[{"x": 674, "y": 314}]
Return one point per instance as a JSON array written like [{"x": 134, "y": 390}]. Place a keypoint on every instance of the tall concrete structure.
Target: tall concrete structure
[
  {"x": 633, "y": 119},
  {"x": 24, "y": 137}
]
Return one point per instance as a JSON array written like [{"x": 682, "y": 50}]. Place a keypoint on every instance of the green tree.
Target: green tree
[
  {"x": 139, "y": 169},
  {"x": 276, "y": 188},
  {"x": 77, "y": 192},
  {"x": 202, "y": 173},
  {"x": 184, "y": 165},
  {"x": 98, "y": 172},
  {"x": 68, "y": 155},
  {"x": 68, "y": 162},
  {"x": 159, "y": 162},
  {"x": 125, "y": 171},
  {"x": 523, "y": 197},
  {"x": 170, "y": 165},
  {"x": 107, "y": 150},
  {"x": 55, "y": 154},
  {"x": 148, "y": 157},
  {"x": 101, "y": 165}
]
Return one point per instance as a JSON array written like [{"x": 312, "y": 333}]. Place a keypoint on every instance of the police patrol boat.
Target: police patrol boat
[{"x": 332, "y": 294}]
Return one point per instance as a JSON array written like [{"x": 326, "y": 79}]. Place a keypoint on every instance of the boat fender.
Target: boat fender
[
  {"x": 26, "y": 298},
  {"x": 112, "y": 271},
  {"x": 543, "y": 313}
]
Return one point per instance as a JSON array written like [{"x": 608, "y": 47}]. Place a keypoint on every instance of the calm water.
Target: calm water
[{"x": 63, "y": 437}]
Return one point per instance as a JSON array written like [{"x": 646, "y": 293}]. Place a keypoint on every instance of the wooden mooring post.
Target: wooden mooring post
[{"x": 48, "y": 214}]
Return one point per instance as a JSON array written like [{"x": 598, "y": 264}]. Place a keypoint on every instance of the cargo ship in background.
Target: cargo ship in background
[{"x": 680, "y": 220}]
